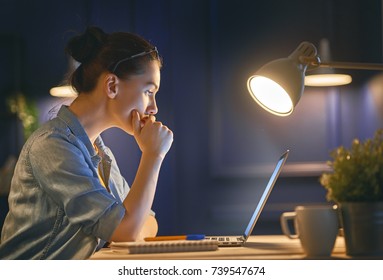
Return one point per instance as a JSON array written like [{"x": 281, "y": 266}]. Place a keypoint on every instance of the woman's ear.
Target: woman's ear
[{"x": 111, "y": 85}]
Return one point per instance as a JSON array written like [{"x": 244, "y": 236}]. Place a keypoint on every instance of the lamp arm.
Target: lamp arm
[{"x": 314, "y": 62}]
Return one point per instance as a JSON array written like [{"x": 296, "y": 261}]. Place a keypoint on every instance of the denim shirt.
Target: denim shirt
[{"x": 58, "y": 208}]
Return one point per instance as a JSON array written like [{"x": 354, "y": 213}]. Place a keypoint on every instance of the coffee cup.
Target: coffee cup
[{"x": 316, "y": 226}]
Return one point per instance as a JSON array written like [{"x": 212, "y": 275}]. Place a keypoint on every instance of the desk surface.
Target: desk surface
[{"x": 277, "y": 247}]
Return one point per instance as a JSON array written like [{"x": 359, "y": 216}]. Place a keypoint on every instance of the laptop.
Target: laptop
[{"x": 226, "y": 241}]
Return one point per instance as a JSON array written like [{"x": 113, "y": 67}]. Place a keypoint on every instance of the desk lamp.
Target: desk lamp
[{"x": 278, "y": 85}]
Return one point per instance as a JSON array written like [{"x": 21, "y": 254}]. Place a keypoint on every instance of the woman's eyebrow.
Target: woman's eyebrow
[{"x": 152, "y": 84}]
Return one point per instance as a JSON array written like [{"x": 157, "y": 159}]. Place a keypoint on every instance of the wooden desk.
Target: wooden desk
[{"x": 266, "y": 247}]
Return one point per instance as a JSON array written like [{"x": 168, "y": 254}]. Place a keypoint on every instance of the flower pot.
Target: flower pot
[{"x": 363, "y": 228}]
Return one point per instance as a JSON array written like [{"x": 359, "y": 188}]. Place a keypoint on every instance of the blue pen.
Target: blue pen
[
  {"x": 176, "y": 237},
  {"x": 195, "y": 236}
]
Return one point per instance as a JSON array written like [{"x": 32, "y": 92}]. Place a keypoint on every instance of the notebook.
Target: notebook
[
  {"x": 241, "y": 239},
  {"x": 164, "y": 246}
]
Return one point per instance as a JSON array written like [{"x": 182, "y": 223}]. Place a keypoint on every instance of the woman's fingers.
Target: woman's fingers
[
  {"x": 152, "y": 136},
  {"x": 136, "y": 123}
]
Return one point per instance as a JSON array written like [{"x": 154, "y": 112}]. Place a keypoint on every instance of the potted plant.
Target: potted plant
[
  {"x": 26, "y": 111},
  {"x": 356, "y": 185}
]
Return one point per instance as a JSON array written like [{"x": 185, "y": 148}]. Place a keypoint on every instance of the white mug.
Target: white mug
[{"x": 316, "y": 226}]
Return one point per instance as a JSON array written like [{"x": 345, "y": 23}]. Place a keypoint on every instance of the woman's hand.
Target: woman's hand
[
  {"x": 154, "y": 140},
  {"x": 152, "y": 137}
]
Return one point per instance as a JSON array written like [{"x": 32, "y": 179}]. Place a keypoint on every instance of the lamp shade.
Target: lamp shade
[
  {"x": 327, "y": 79},
  {"x": 63, "y": 91},
  {"x": 324, "y": 77},
  {"x": 279, "y": 84}
]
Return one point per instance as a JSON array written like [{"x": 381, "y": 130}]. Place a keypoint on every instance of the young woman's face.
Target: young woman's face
[{"x": 138, "y": 93}]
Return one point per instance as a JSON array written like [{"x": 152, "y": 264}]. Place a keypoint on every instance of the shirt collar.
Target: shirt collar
[{"x": 78, "y": 130}]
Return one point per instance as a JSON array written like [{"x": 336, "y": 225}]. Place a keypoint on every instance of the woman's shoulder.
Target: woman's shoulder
[{"x": 52, "y": 129}]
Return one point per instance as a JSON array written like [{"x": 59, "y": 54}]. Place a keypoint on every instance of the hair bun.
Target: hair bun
[{"x": 85, "y": 47}]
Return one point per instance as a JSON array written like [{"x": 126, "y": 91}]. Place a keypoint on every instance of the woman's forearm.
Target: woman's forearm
[{"x": 140, "y": 199}]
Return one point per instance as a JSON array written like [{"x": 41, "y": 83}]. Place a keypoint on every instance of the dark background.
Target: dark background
[{"x": 224, "y": 143}]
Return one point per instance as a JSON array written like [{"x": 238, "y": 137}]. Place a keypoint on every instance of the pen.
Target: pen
[{"x": 176, "y": 237}]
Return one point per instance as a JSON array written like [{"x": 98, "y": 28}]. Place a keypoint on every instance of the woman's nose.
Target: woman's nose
[{"x": 152, "y": 108}]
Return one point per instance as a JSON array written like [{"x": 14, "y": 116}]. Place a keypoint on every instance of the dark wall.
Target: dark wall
[{"x": 223, "y": 141}]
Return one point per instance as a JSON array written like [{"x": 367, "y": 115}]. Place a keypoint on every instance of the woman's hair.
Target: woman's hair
[{"x": 120, "y": 53}]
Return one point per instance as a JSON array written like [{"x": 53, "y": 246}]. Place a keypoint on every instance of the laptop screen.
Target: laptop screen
[{"x": 265, "y": 194}]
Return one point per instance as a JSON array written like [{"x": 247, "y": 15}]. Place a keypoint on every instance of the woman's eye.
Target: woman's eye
[{"x": 150, "y": 93}]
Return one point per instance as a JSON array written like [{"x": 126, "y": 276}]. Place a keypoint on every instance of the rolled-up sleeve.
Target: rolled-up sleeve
[{"x": 68, "y": 177}]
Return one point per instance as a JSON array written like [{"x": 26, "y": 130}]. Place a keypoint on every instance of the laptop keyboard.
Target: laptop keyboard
[{"x": 223, "y": 239}]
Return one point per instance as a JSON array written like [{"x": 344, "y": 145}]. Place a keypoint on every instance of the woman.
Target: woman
[{"x": 67, "y": 196}]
